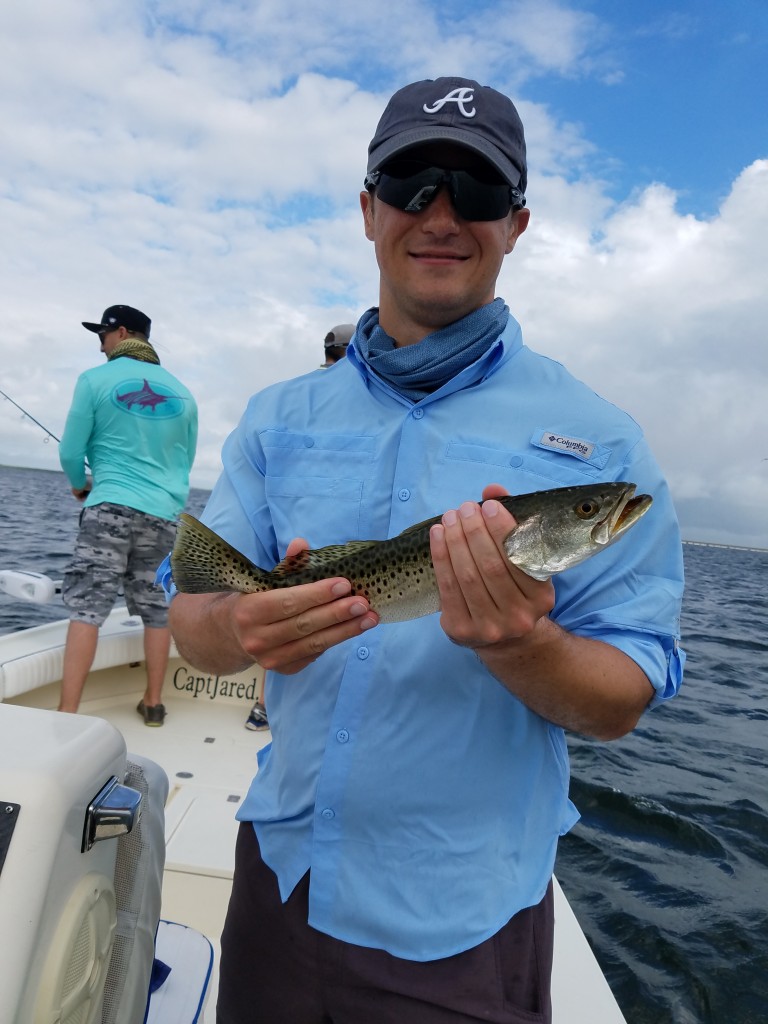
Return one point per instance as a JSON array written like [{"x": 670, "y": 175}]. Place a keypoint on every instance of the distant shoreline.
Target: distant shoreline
[
  {"x": 31, "y": 469},
  {"x": 730, "y": 547}
]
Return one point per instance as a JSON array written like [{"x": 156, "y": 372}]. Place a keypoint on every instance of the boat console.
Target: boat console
[{"x": 82, "y": 852}]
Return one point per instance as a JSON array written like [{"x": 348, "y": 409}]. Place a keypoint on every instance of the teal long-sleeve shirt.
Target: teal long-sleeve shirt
[{"x": 136, "y": 425}]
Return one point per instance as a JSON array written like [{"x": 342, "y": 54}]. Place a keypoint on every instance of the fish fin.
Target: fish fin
[
  {"x": 292, "y": 564},
  {"x": 319, "y": 558},
  {"x": 426, "y": 524},
  {"x": 204, "y": 563}
]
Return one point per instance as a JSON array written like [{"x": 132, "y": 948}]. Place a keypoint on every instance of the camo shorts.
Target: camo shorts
[{"x": 117, "y": 545}]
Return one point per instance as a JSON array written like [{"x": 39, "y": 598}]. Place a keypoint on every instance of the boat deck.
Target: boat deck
[{"x": 210, "y": 760}]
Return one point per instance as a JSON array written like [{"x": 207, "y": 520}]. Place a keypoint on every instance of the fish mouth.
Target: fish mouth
[{"x": 624, "y": 513}]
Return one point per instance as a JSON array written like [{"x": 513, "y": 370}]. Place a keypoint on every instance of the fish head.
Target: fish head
[{"x": 560, "y": 528}]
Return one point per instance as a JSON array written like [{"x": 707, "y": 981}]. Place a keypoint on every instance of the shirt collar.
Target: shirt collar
[{"x": 508, "y": 344}]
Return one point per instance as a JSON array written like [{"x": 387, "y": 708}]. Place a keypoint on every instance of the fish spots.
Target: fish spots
[{"x": 398, "y": 571}]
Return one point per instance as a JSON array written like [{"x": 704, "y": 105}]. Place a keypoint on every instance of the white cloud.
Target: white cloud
[
  {"x": 663, "y": 314},
  {"x": 210, "y": 176}
]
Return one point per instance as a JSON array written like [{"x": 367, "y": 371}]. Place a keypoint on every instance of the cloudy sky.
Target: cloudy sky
[{"x": 202, "y": 161}]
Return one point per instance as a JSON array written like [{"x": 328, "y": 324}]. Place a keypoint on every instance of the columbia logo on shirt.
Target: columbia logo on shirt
[{"x": 574, "y": 445}]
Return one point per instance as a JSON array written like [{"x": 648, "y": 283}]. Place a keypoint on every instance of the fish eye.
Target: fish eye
[{"x": 587, "y": 509}]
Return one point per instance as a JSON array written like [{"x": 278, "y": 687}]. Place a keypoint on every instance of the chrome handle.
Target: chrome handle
[{"x": 113, "y": 812}]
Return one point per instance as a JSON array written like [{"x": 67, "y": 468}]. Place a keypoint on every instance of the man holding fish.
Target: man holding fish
[{"x": 396, "y": 850}]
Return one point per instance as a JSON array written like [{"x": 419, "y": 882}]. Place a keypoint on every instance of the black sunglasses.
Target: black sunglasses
[{"x": 411, "y": 185}]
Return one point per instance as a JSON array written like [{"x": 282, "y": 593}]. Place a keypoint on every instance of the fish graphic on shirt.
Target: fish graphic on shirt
[{"x": 144, "y": 397}]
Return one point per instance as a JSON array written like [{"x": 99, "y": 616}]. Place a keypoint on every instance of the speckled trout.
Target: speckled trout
[{"x": 555, "y": 530}]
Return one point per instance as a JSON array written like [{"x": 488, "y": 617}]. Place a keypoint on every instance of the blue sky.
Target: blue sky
[
  {"x": 202, "y": 161},
  {"x": 688, "y": 105}
]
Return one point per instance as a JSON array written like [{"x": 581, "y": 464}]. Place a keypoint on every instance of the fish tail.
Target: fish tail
[{"x": 204, "y": 563}]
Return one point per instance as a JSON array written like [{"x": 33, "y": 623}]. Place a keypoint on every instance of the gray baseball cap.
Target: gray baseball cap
[
  {"x": 340, "y": 336},
  {"x": 456, "y": 110}
]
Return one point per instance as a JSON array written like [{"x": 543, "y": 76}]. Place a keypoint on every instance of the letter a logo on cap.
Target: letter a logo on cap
[{"x": 459, "y": 97}]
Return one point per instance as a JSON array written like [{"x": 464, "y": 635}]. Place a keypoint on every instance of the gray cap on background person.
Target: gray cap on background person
[
  {"x": 335, "y": 343},
  {"x": 456, "y": 110},
  {"x": 121, "y": 316},
  {"x": 340, "y": 336}
]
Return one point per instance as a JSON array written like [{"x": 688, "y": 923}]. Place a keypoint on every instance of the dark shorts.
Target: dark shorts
[
  {"x": 117, "y": 545},
  {"x": 276, "y": 969}
]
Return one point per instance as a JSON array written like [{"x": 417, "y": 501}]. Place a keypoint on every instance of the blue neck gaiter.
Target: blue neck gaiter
[{"x": 415, "y": 371}]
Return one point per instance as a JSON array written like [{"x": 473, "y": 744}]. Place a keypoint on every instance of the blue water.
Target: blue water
[{"x": 668, "y": 868}]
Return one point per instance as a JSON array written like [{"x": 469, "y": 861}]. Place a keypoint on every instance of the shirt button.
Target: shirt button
[
  {"x": 515, "y": 461},
  {"x": 403, "y": 494},
  {"x": 342, "y": 736},
  {"x": 309, "y": 442},
  {"x": 418, "y": 413},
  {"x": 362, "y": 653},
  {"x": 328, "y": 813}
]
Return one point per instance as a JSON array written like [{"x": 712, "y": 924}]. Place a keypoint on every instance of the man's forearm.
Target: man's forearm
[
  {"x": 584, "y": 685},
  {"x": 202, "y": 630},
  {"x": 283, "y": 629}
]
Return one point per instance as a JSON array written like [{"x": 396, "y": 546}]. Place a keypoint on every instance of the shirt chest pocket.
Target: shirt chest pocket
[
  {"x": 522, "y": 470},
  {"x": 315, "y": 485}
]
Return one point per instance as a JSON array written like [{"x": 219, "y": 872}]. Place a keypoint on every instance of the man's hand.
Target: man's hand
[
  {"x": 492, "y": 606},
  {"x": 284, "y": 630},
  {"x": 82, "y": 493},
  {"x": 485, "y": 599}
]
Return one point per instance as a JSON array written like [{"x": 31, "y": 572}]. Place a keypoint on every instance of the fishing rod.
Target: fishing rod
[{"x": 31, "y": 417}]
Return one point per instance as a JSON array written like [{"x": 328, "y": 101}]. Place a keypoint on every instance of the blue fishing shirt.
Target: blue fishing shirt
[
  {"x": 426, "y": 799},
  {"x": 136, "y": 424}
]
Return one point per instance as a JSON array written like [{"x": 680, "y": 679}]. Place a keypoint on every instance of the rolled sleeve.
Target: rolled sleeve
[{"x": 659, "y": 656}]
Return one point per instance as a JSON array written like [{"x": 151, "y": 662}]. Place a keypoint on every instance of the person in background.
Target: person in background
[
  {"x": 257, "y": 720},
  {"x": 335, "y": 344},
  {"x": 396, "y": 848},
  {"x": 135, "y": 425},
  {"x": 335, "y": 348}
]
